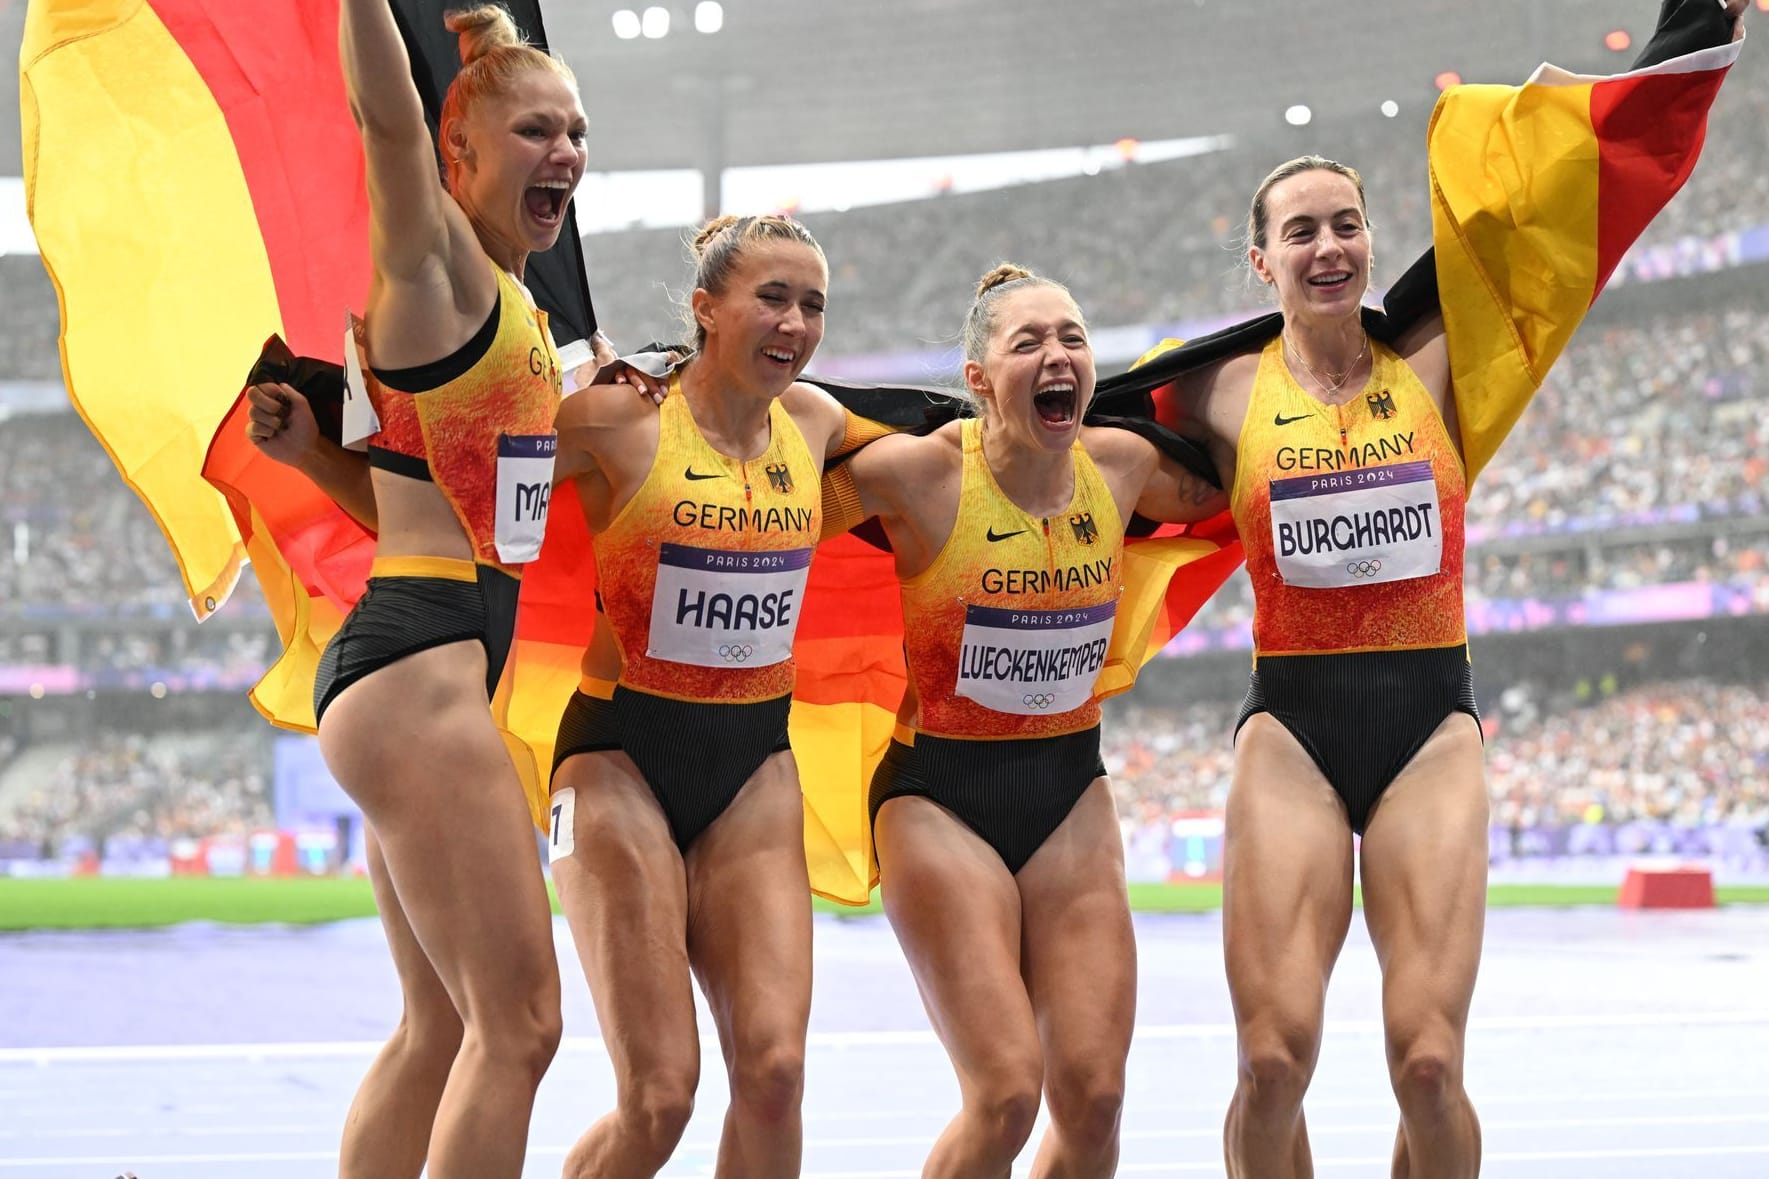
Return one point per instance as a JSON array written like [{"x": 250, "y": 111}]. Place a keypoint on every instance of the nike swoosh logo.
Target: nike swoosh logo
[
  {"x": 691, "y": 473},
  {"x": 995, "y": 537},
  {"x": 1281, "y": 420}
]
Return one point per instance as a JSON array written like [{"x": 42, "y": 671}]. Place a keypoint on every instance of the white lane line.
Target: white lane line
[
  {"x": 298, "y": 1050},
  {"x": 1211, "y": 1131},
  {"x": 1669, "y": 1152}
]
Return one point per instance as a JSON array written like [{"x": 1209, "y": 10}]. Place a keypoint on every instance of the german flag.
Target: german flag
[
  {"x": 194, "y": 181},
  {"x": 196, "y": 184},
  {"x": 1536, "y": 193}
]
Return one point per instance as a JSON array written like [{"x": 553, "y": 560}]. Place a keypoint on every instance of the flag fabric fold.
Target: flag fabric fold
[{"x": 1536, "y": 193}]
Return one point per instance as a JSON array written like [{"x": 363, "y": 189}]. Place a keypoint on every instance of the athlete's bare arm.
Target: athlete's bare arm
[
  {"x": 607, "y": 444},
  {"x": 432, "y": 286},
  {"x": 911, "y": 484},
  {"x": 1213, "y": 404},
  {"x": 1144, "y": 479}
]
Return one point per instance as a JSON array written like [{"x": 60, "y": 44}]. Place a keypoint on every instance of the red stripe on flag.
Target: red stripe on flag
[
  {"x": 273, "y": 70},
  {"x": 328, "y": 552},
  {"x": 558, "y": 590},
  {"x": 1649, "y": 132}
]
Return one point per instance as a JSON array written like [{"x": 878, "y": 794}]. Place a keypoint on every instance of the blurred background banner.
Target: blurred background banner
[{"x": 1618, "y": 560}]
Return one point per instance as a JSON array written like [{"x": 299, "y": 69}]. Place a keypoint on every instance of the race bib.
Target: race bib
[
  {"x": 562, "y": 822},
  {"x": 718, "y": 608},
  {"x": 360, "y": 419},
  {"x": 525, "y": 485},
  {"x": 1357, "y": 527},
  {"x": 1033, "y": 662}
]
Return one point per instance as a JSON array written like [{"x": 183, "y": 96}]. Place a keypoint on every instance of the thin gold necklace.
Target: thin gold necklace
[{"x": 1332, "y": 388}]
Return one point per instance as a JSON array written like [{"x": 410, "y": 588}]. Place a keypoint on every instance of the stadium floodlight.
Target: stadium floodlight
[
  {"x": 709, "y": 16},
  {"x": 1618, "y": 41},
  {"x": 626, "y": 24},
  {"x": 1447, "y": 79},
  {"x": 1391, "y": 108},
  {"x": 656, "y": 22},
  {"x": 1298, "y": 116}
]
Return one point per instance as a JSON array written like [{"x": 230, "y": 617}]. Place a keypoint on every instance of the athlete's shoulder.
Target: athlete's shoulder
[
  {"x": 802, "y": 397},
  {"x": 909, "y": 463},
  {"x": 605, "y": 407}
]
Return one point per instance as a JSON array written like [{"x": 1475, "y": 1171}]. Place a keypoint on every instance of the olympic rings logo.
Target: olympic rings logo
[
  {"x": 1364, "y": 568},
  {"x": 736, "y": 652},
  {"x": 1040, "y": 700}
]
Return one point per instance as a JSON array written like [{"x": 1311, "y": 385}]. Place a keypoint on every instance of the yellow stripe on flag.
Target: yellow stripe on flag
[
  {"x": 834, "y": 773},
  {"x": 119, "y": 132},
  {"x": 1514, "y": 177}
]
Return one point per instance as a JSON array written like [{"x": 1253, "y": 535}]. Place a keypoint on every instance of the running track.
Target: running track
[{"x": 1604, "y": 1044}]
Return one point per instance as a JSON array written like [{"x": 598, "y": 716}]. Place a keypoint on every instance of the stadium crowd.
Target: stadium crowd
[
  {"x": 1138, "y": 244},
  {"x": 1686, "y": 752},
  {"x": 121, "y": 785}
]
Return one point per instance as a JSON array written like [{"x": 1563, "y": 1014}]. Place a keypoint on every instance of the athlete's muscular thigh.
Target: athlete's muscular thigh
[
  {"x": 749, "y": 904},
  {"x": 1287, "y": 875},
  {"x": 624, "y": 894},
  {"x": 1424, "y": 866}
]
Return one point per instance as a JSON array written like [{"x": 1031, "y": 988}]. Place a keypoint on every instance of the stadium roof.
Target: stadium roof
[{"x": 816, "y": 80}]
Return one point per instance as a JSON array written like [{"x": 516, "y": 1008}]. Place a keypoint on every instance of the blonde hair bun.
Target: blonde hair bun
[
  {"x": 482, "y": 30},
  {"x": 1005, "y": 273},
  {"x": 709, "y": 231}
]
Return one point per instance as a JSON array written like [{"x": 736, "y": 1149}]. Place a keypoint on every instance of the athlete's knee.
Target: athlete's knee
[
  {"x": 769, "y": 1081},
  {"x": 1427, "y": 1074},
  {"x": 1086, "y": 1105},
  {"x": 523, "y": 1034},
  {"x": 1006, "y": 1106},
  {"x": 656, "y": 1110},
  {"x": 1275, "y": 1068},
  {"x": 430, "y": 1037}
]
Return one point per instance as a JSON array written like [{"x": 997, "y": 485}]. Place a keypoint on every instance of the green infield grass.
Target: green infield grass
[{"x": 114, "y": 903}]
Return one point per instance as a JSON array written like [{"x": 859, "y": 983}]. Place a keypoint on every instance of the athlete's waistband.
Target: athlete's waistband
[
  {"x": 602, "y": 689},
  {"x": 1460, "y": 644},
  {"x": 441, "y": 568},
  {"x": 906, "y": 734}
]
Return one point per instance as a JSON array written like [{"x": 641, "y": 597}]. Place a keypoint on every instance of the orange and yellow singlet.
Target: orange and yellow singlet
[
  {"x": 1351, "y": 516},
  {"x": 1006, "y": 632},
  {"x": 703, "y": 571}
]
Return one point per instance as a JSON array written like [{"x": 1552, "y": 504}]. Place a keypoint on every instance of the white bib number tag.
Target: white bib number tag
[
  {"x": 721, "y": 608},
  {"x": 1357, "y": 527},
  {"x": 525, "y": 485},
  {"x": 360, "y": 418},
  {"x": 1033, "y": 662},
  {"x": 563, "y": 812}
]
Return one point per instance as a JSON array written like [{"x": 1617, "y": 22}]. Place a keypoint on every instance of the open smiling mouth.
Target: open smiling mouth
[
  {"x": 546, "y": 202},
  {"x": 1055, "y": 404}
]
